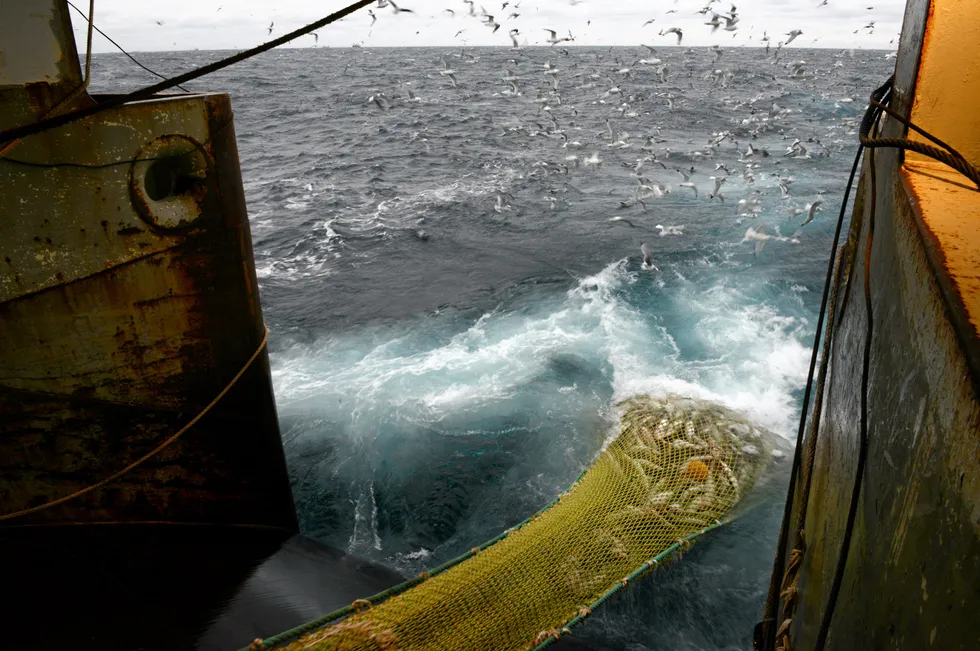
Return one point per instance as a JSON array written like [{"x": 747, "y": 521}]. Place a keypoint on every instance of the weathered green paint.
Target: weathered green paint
[
  {"x": 32, "y": 85},
  {"x": 39, "y": 27},
  {"x": 913, "y": 575},
  {"x": 124, "y": 310}
]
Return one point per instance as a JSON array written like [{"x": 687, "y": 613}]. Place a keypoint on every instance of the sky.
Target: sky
[{"x": 142, "y": 26}]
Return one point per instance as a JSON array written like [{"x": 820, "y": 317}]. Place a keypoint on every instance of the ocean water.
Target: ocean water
[{"x": 443, "y": 369}]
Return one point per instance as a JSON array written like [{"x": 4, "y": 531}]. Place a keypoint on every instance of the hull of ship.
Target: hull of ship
[{"x": 913, "y": 570}]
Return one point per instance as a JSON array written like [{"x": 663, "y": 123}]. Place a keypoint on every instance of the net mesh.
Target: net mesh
[{"x": 677, "y": 466}]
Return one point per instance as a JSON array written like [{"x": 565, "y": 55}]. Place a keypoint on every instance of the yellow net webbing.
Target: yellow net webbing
[{"x": 676, "y": 467}]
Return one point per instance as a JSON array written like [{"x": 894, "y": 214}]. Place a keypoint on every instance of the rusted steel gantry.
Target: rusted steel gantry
[{"x": 128, "y": 301}]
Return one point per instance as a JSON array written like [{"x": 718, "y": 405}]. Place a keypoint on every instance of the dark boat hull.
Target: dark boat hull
[
  {"x": 141, "y": 587},
  {"x": 912, "y": 573}
]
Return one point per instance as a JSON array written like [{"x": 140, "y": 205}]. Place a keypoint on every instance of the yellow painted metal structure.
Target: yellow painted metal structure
[
  {"x": 947, "y": 87},
  {"x": 949, "y": 207},
  {"x": 947, "y": 105}
]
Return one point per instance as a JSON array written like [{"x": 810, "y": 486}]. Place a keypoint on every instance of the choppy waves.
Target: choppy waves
[{"x": 547, "y": 369}]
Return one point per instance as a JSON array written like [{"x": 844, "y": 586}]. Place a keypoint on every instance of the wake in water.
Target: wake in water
[{"x": 410, "y": 442}]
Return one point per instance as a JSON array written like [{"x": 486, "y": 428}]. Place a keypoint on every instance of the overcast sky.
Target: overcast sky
[{"x": 139, "y": 25}]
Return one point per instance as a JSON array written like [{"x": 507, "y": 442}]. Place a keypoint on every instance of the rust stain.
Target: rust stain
[
  {"x": 135, "y": 321},
  {"x": 926, "y": 36},
  {"x": 40, "y": 96}
]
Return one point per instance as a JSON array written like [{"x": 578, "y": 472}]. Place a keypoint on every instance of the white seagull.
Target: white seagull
[
  {"x": 792, "y": 36},
  {"x": 674, "y": 30},
  {"x": 669, "y": 230},
  {"x": 647, "y": 257}
]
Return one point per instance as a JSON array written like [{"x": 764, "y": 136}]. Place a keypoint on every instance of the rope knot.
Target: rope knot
[
  {"x": 257, "y": 645},
  {"x": 360, "y": 604},
  {"x": 782, "y": 635}
]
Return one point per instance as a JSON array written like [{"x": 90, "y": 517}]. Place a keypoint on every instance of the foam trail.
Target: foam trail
[
  {"x": 745, "y": 355},
  {"x": 424, "y": 413}
]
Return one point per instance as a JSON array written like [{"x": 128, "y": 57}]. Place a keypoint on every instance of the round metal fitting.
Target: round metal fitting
[{"x": 171, "y": 182}]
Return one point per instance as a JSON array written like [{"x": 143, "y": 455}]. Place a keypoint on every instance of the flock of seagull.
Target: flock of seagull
[{"x": 563, "y": 82}]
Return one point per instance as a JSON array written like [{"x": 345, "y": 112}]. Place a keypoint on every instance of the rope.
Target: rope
[
  {"x": 787, "y": 591},
  {"x": 154, "y": 451},
  {"x": 764, "y": 634},
  {"x": 958, "y": 163},
  {"x": 788, "y": 588},
  {"x": 863, "y": 448},
  {"x": 943, "y": 153},
  {"x": 147, "y": 92},
  {"x": 118, "y": 47},
  {"x": 88, "y": 46}
]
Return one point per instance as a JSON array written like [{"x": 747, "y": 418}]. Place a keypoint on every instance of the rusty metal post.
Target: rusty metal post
[{"x": 128, "y": 300}]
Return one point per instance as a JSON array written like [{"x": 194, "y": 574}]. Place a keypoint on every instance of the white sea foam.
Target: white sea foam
[
  {"x": 319, "y": 251},
  {"x": 365, "y": 534},
  {"x": 747, "y": 356},
  {"x": 399, "y": 210}
]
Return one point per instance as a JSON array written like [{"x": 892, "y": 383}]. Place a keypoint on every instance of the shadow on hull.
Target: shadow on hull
[{"x": 143, "y": 588}]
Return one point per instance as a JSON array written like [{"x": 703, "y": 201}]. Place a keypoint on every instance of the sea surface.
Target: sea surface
[{"x": 443, "y": 369}]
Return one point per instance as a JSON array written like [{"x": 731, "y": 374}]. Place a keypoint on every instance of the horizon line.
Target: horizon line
[{"x": 357, "y": 46}]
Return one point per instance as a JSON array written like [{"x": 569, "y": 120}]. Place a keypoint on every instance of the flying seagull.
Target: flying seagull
[
  {"x": 812, "y": 212},
  {"x": 687, "y": 183},
  {"x": 647, "y": 257},
  {"x": 623, "y": 220},
  {"x": 500, "y": 206},
  {"x": 448, "y": 72},
  {"x": 669, "y": 230},
  {"x": 759, "y": 238},
  {"x": 674, "y": 30}
]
